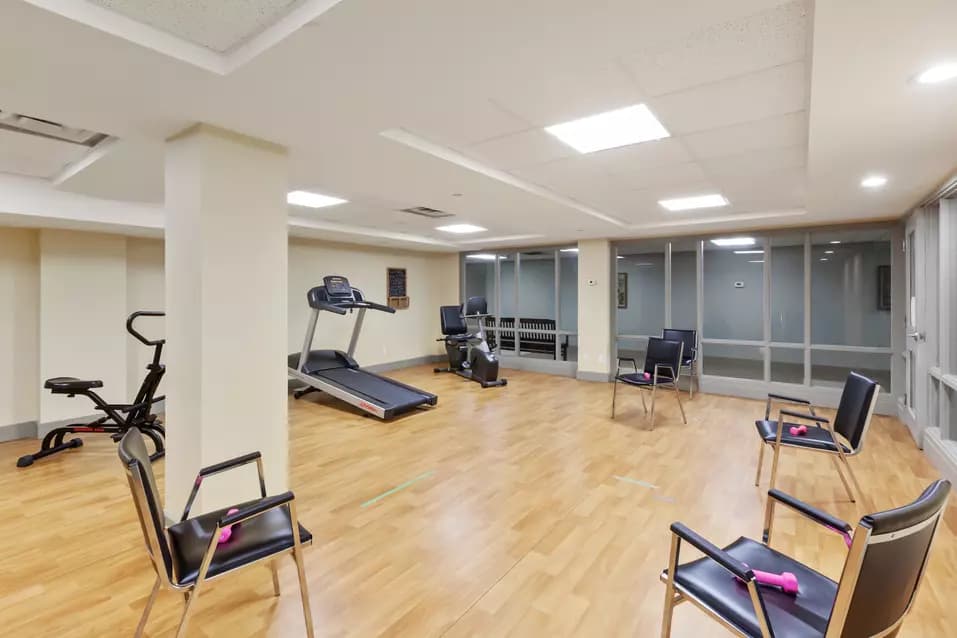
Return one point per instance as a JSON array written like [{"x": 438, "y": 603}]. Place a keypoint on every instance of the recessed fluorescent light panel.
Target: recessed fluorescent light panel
[
  {"x": 835, "y": 241},
  {"x": 692, "y": 203},
  {"x": 749, "y": 252},
  {"x": 621, "y": 127},
  {"x": 828, "y": 252},
  {"x": 460, "y": 229},
  {"x": 725, "y": 242},
  {"x": 620, "y": 257},
  {"x": 939, "y": 73},
  {"x": 873, "y": 181},
  {"x": 312, "y": 200},
  {"x": 568, "y": 250},
  {"x": 482, "y": 257},
  {"x": 756, "y": 261}
]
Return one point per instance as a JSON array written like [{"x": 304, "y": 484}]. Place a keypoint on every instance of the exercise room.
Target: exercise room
[{"x": 346, "y": 318}]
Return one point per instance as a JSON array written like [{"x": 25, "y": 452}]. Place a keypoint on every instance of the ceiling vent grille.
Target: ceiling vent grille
[
  {"x": 425, "y": 211},
  {"x": 50, "y": 130}
]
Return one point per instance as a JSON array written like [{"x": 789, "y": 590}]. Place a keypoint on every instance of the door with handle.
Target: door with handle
[{"x": 914, "y": 397}]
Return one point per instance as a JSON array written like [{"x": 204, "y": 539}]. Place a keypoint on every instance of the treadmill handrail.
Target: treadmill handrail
[
  {"x": 362, "y": 305},
  {"x": 339, "y": 310}
]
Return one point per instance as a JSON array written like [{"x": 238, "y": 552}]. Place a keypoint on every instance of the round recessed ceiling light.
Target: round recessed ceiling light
[
  {"x": 938, "y": 74},
  {"x": 873, "y": 181}
]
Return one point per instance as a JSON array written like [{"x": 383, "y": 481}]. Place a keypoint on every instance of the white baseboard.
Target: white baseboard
[{"x": 942, "y": 453}]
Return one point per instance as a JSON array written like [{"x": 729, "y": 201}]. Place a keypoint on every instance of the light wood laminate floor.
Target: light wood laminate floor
[{"x": 519, "y": 526}]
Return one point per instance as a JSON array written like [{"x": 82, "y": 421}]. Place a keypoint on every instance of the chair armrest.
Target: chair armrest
[
  {"x": 781, "y": 397},
  {"x": 259, "y": 507},
  {"x": 810, "y": 511},
  {"x": 713, "y": 552},
  {"x": 216, "y": 468},
  {"x": 634, "y": 362},
  {"x": 804, "y": 415},
  {"x": 668, "y": 368}
]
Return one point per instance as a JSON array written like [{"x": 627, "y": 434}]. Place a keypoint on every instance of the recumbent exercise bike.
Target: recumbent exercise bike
[
  {"x": 463, "y": 330},
  {"x": 118, "y": 417}
]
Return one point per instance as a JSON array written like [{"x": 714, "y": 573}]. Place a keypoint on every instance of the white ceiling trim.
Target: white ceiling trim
[
  {"x": 488, "y": 240},
  {"x": 362, "y": 231},
  {"x": 678, "y": 223},
  {"x": 121, "y": 26},
  {"x": 438, "y": 151},
  {"x": 95, "y": 154}
]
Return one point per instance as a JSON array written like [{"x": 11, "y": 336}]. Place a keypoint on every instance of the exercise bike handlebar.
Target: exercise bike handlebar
[{"x": 144, "y": 313}]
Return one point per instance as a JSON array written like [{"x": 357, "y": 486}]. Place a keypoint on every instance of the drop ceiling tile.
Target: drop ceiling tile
[
  {"x": 774, "y": 132},
  {"x": 208, "y": 23},
  {"x": 34, "y": 156},
  {"x": 744, "y": 45},
  {"x": 551, "y": 96},
  {"x": 781, "y": 189},
  {"x": 527, "y": 148},
  {"x": 756, "y": 96},
  {"x": 638, "y": 157},
  {"x": 466, "y": 121},
  {"x": 573, "y": 176},
  {"x": 658, "y": 176},
  {"x": 756, "y": 163}
]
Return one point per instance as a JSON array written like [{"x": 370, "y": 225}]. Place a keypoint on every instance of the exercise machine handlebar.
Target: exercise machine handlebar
[{"x": 144, "y": 313}]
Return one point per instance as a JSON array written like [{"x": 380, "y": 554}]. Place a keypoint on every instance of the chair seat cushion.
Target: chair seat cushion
[
  {"x": 256, "y": 538},
  {"x": 804, "y": 615},
  {"x": 635, "y": 379},
  {"x": 816, "y": 438},
  {"x": 71, "y": 384}
]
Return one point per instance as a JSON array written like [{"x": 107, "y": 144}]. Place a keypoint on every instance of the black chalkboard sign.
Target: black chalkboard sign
[{"x": 397, "y": 286}]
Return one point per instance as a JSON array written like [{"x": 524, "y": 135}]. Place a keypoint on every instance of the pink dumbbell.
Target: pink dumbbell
[
  {"x": 226, "y": 533},
  {"x": 647, "y": 375},
  {"x": 799, "y": 430},
  {"x": 787, "y": 581}
]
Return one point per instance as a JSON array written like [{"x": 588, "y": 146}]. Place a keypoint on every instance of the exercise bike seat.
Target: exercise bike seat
[{"x": 64, "y": 385}]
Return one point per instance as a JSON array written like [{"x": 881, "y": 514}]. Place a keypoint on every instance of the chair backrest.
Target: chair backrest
[
  {"x": 139, "y": 471},
  {"x": 856, "y": 407},
  {"x": 885, "y": 565},
  {"x": 687, "y": 337},
  {"x": 664, "y": 352},
  {"x": 452, "y": 323}
]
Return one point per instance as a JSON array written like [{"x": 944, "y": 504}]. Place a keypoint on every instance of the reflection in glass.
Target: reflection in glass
[
  {"x": 733, "y": 292},
  {"x": 684, "y": 286},
  {"x": 641, "y": 293},
  {"x": 740, "y": 362},
  {"x": 831, "y": 367}
]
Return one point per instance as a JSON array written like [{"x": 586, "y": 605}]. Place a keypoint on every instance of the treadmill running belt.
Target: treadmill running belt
[{"x": 375, "y": 389}]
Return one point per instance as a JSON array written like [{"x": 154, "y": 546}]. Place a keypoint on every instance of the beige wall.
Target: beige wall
[
  {"x": 595, "y": 329},
  {"x": 91, "y": 282},
  {"x": 145, "y": 290},
  {"x": 19, "y": 312},
  {"x": 82, "y": 317},
  {"x": 407, "y": 334}
]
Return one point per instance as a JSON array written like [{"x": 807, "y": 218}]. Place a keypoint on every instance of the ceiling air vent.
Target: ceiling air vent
[
  {"x": 425, "y": 211},
  {"x": 50, "y": 130}
]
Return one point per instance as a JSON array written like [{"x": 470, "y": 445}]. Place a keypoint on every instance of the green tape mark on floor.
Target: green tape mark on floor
[
  {"x": 395, "y": 489},
  {"x": 637, "y": 482}
]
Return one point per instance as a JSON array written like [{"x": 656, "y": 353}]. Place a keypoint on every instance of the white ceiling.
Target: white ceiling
[{"x": 470, "y": 86}]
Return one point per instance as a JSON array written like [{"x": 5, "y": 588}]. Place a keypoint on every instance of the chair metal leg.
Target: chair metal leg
[
  {"x": 614, "y": 396},
  {"x": 847, "y": 487},
  {"x": 297, "y": 555},
  {"x": 187, "y": 610},
  {"x": 668, "y": 613},
  {"x": 774, "y": 466},
  {"x": 275, "y": 576},
  {"x": 757, "y": 476},
  {"x": 644, "y": 406},
  {"x": 680, "y": 407},
  {"x": 857, "y": 486},
  {"x": 654, "y": 390},
  {"x": 146, "y": 612}
]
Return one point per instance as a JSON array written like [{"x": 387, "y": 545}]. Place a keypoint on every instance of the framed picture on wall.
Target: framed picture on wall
[
  {"x": 883, "y": 287},
  {"x": 622, "y": 290}
]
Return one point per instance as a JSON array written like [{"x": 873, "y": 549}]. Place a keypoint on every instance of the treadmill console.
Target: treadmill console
[{"x": 337, "y": 288}]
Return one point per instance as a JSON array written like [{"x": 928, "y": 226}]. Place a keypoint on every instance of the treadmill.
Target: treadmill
[{"x": 335, "y": 372}]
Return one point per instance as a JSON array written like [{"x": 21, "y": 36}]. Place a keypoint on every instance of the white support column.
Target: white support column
[
  {"x": 597, "y": 288},
  {"x": 226, "y": 287}
]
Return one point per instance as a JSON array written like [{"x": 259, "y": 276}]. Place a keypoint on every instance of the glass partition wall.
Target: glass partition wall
[
  {"x": 787, "y": 307},
  {"x": 532, "y": 302}
]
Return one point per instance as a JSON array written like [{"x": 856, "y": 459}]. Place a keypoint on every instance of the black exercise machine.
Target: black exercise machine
[
  {"x": 463, "y": 330},
  {"x": 117, "y": 417}
]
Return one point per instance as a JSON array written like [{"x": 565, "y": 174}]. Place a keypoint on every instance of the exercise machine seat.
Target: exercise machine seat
[
  {"x": 452, "y": 322},
  {"x": 804, "y": 615},
  {"x": 816, "y": 438},
  {"x": 71, "y": 384},
  {"x": 252, "y": 540}
]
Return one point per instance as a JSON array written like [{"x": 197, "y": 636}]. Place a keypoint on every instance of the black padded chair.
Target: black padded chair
[
  {"x": 843, "y": 439},
  {"x": 662, "y": 367},
  {"x": 689, "y": 358},
  {"x": 883, "y": 570},
  {"x": 187, "y": 554}
]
